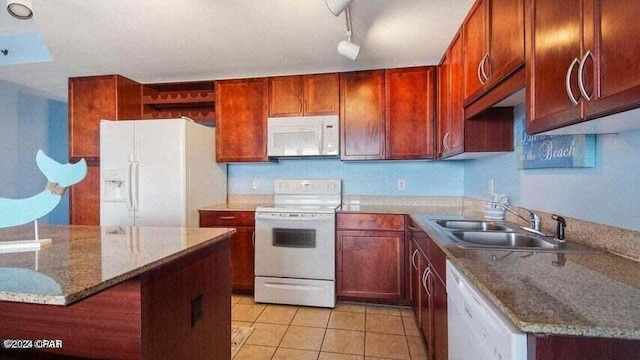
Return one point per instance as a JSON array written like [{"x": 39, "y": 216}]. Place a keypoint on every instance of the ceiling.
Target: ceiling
[{"x": 162, "y": 40}]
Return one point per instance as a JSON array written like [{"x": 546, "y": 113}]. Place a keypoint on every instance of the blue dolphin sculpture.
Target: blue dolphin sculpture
[{"x": 14, "y": 212}]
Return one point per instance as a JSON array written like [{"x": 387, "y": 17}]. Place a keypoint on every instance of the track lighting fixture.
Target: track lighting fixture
[{"x": 20, "y": 9}]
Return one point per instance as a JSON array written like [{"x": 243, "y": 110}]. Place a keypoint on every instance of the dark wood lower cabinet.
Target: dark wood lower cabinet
[
  {"x": 431, "y": 304},
  {"x": 242, "y": 244},
  {"x": 242, "y": 260},
  {"x": 581, "y": 348},
  {"x": 440, "y": 344},
  {"x": 370, "y": 265}
]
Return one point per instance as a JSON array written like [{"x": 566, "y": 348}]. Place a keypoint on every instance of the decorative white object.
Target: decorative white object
[{"x": 14, "y": 212}]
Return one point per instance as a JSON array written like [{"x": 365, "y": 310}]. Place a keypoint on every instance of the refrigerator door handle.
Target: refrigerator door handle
[
  {"x": 136, "y": 185},
  {"x": 129, "y": 186}
]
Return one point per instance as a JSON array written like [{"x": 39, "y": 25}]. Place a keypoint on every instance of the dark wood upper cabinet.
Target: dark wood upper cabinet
[
  {"x": 241, "y": 120},
  {"x": 589, "y": 70},
  {"x": 410, "y": 117},
  {"x": 362, "y": 115},
  {"x": 551, "y": 61},
  {"x": 94, "y": 98},
  {"x": 285, "y": 96},
  {"x": 506, "y": 39},
  {"x": 489, "y": 131},
  {"x": 475, "y": 48},
  {"x": 493, "y": 35},
  {"x": 610, "y": 56},
  {"x": 451, "y": 114},
  {"x": 321, "y": 94},
  {"x": 307, "y": 95}
]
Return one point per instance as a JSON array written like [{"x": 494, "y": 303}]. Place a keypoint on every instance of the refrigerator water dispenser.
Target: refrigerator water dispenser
[{"x": 115, "y": 186}]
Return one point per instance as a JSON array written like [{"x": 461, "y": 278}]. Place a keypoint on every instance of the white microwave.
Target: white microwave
[{"x": 303, "y": 136}]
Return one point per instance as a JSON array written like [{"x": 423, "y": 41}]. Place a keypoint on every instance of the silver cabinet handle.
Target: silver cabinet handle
[
  {"x": 227, "y": 217},
  {"x": 425, "y": 278},
  {"x": 413, "y": 258},
  {"x": 130, "y": 186},
  {"x": 479, "y": 72},
  {"x": 253, "y": 238},
  {"x": 482, "y": 63},
  {"x": 444, "y": 141},
  {"x": 583, "y": 91},
  {"x": 567, "y": 83}
]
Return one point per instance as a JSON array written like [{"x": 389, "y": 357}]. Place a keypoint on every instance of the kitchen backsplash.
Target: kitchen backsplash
[
  {"x": 421, "y": 178},
  {"x": 606, "y": 194}
]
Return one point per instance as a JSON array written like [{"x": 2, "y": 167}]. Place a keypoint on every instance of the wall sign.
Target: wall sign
[{"x": 554, "y": 151}]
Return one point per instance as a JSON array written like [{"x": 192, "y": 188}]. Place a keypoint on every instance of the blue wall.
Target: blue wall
[
  {"x": 358, "y": 178},
  {"x": 30, "y": 121},
  {"x": 608, "y": 193}
]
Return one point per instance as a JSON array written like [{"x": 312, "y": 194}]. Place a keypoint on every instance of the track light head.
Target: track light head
[
  {"x": 337, "y": 6},
  {"x": 348, "y": 49},
  {"x": 20, "y": 9}
]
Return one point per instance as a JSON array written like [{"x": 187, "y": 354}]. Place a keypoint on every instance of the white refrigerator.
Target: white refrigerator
[{"x": 158, "y": 172}]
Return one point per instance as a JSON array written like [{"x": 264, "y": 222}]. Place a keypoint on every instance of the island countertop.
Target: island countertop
[{"x": 83, "y": 260}]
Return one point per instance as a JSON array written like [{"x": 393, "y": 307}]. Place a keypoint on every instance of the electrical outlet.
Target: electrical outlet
[
  {"x": 402, "y": 184},
  {"x": 255, "y": 184},
  {"x": 490, "y": 186}
]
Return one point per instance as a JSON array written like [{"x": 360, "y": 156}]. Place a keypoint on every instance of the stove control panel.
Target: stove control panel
[{"x": 308, "y": 187}]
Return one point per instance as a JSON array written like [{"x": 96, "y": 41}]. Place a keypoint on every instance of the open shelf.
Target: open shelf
[{"x": 195, "y": 100}]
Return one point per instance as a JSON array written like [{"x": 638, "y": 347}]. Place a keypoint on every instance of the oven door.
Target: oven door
[{"x": 295, "y": 245}]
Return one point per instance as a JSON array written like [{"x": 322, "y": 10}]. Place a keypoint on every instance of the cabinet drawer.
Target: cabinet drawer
[
  {"x": 227, "y": 218},
  {"x": 370, "y": 222}
]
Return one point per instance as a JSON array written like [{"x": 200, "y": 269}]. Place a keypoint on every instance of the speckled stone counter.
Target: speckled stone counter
[
  {"x": 581, "y": 294},
  {"x": 83, "y": 260}
]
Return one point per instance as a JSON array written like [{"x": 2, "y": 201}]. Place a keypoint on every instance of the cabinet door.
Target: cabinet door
[
  {"x": 94, "y": 98},
  {"x": 242, "y": 259},
  {"x": 426, "y": 306},
  {"x": 84, "y": 199},
  {"x": 362, "y": 115},
  {"x": 370, "y": 265},
  {"x": 553, "y": 51},
  {"x": 321, "y": 94},
  {"x": 475, "y": 49},
  {"x": 285, "y": 96},
  {"x": 410, "y": 113},
  {"x": 506, "y": 42},
  {"x": 241, "y": 120},
  {"x": 451, "y": 120},
  {"x": 414, "y": 278},
  {"x": 444, "y": 98},
  {"x": 439, "y": 310},
  {"x": 611, "y": 72}
]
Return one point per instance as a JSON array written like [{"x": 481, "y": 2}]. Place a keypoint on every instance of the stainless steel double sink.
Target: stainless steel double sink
[{"x": 495, "y": 235}]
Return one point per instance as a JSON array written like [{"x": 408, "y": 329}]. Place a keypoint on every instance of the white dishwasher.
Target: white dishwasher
[{"x": 477, "y": 329}]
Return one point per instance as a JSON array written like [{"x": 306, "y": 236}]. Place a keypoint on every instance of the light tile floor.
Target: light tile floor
[{"x": 348, "y": 332}]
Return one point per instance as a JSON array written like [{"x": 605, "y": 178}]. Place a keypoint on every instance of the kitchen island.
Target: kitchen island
[{"x": 119, "y": 292}]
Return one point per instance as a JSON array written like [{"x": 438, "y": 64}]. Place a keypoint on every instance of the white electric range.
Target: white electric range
[{"x": 295, "y": 244}]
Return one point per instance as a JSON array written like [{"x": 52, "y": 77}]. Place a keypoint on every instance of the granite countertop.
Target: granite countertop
[
  {"x": 233, "y": 207},
  {"x": 83, "y": 260},
  {"x": 584, "y": 294}
]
